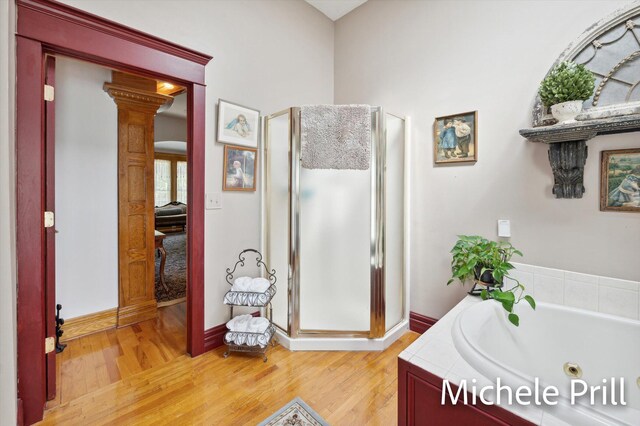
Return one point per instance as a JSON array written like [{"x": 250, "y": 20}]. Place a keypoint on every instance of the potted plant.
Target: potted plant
[
  {"x": 565, "y": 88},
  {"x": 486, "y": 263}
]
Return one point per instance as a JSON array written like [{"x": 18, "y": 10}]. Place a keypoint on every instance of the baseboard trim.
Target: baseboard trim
[
  {"x": 89, "y": 324},
  {"x": 132, "y": 314},
  {"x": 214, "y": 337},
  {"x": 420, "y": 323}
]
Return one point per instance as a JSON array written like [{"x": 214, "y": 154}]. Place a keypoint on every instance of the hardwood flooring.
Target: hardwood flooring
[
  {"x": 100, "y": 359},
  {"x": 346, "y": 388}
]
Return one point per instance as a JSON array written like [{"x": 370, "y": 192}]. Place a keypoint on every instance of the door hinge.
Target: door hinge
[
  {"x": 49, "y": 219},
  {"x": 49, "y": 93},
  {"x": 49, "y": 345}
]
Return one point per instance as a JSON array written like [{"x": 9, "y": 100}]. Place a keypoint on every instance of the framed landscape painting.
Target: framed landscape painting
[
  {"x": 455, "y": 138},
  {"x": 240, "y": 167},
  {"x": 620, "y": 180},
  {"x": 237, "y": 124}
]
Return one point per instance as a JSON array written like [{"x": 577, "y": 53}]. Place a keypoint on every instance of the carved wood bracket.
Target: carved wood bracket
[
  {"x": 568, "y": 148},
  {"x": 567, "y": 162}
]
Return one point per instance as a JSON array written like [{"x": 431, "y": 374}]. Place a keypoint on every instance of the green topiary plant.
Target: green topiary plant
[
  {"x": 568, "y": 81},
  {"x": 487, "y": 262}
]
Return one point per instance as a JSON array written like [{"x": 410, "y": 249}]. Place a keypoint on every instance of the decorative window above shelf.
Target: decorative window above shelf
[{"x": 611, "y": 50}]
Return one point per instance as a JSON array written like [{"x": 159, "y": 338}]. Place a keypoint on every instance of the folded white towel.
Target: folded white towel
[
  {"x": 259, "y": 285},
  {"x": 239, "y": 323},
  {"x": 241, "y": 284},
  {"x": 258, "y": 325}
]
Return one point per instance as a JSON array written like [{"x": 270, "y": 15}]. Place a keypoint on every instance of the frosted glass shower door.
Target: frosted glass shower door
[
  {"x": 277, "y": 197},
  {"x": 335, "y": 251},
  {"x": 394, "y": 221}
]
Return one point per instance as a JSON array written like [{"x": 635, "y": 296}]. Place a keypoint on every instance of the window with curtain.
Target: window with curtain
[
  {"x": 162, "y": 182},
  {"x": 181, "y": 181}
]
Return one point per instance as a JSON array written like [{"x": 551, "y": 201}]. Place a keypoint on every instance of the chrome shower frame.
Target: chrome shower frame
[{"x": 377, "y": 327}]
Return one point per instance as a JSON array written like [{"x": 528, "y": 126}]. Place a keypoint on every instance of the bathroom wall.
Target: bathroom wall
[
  {"x": 433, "y": 58},
  {"x": 86, "y": 190},
  {"x": 8, "y": 383},
  {"x": 268, "y": 55},
  {"x": 169, "y": 128}
]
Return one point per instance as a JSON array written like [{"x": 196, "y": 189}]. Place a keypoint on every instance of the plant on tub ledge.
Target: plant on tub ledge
[
  {"x": 487, "y": 264},
  {"x": 564, "y": 90}
]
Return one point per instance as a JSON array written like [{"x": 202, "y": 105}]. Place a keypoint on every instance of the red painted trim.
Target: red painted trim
[
  {"x": 195, "y": 219},
  {"x": 413, "y": 403},
  {"x": 30, "y": 241},
  {"x": 20, "y": 417},
  {"x": 63, "y": 28},
  {"x": 214, "y": 337},
  {"x": 50, "y": 233},
  {"x": 420, "y": 323},
  {"x": 47, "y": 26}
]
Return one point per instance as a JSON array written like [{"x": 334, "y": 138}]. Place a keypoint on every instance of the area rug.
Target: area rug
[
  {"x": 175, "y": 269},
  {"x": 295, "y": 413}
]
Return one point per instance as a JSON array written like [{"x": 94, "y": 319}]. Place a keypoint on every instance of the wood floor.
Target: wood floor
[
  {"x": 346, "y": 388},
  {"x": 100, "y": 359}
]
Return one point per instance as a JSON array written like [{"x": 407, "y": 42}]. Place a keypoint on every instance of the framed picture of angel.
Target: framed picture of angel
[{"x": 237, "y": 124}]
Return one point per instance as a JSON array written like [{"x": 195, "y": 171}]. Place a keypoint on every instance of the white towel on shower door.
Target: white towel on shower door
[{"x": 335, "y": 137}]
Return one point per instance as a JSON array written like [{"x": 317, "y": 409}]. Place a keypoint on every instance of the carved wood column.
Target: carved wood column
[{"x": 137, "y": 103}]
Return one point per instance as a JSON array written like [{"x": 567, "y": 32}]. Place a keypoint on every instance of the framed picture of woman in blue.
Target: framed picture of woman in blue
[{"x": 455, "y": 138}]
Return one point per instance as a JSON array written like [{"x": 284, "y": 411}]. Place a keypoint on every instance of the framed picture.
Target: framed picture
[
  {"x": 237, "y": 124},
  {"x": 240, "y": 168},
  {"x": 620, "y": 180},
  {"x": 455, "y": 138}
]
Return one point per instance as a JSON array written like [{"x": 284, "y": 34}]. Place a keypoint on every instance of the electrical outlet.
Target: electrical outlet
[
  {"x": 504, "y": 228},
  {"x": 214, "y": 201}
]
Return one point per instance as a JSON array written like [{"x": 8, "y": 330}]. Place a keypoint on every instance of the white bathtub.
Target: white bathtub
[{"x": 604, "y": 346}]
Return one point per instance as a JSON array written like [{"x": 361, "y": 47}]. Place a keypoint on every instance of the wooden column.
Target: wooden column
[{"x": 138, "y": 103}]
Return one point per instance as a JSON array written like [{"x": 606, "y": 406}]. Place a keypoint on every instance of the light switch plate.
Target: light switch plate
[
  {"x": 504, "y": 228},
  {"x": 214, "y": 201}
]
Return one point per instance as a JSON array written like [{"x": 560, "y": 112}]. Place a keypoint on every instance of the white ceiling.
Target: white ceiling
[
  {"x": 335, "y": 9},
  {"x": 170, "y": 147},
  {"x": 178, "y": 108}
]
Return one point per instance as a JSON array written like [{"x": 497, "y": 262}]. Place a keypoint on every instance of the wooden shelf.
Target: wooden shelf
[
  {"x": 568, "y": 148},
  {"x": 582, "y": 130}
]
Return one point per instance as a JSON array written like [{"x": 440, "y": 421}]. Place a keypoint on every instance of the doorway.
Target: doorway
[
  {"x": 49, "y": 27},
  {"x": 98, "y": 347}
]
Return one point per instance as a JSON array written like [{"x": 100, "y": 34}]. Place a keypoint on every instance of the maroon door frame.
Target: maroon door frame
[
  {"x": 43, "y": 27},
  {"x": 50, "y": 233}
]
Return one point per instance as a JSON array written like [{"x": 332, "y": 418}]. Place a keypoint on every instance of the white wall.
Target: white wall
[
  {"x": 268, "y": 55},
  {"x": 7, "y": 216},
  {"x": 169, "y": 128},
  {"x": 86, "y": 190},
  {"x": 433, "y": 58}
]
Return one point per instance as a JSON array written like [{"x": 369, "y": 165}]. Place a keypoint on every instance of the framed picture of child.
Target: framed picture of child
[
  {"x": 620, "y": 180},
  {"x": 240, "y": 168},
  {"x": 455, "y": 138},
  {"x": 237, "y": 124}
]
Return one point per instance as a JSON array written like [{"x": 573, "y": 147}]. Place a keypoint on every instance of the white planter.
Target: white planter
[{"x": 566, "y": 112}]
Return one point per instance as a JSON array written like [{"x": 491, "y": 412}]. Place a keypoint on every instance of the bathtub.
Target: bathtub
[{"x": 603, "y": 346}]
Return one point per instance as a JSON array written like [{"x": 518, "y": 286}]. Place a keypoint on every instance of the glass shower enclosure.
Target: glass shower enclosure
[{"x": 338, "y": 236}]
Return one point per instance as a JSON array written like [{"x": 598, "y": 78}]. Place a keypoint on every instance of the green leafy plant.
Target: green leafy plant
[
  {"x": 568, "y": 81},
  {"x": 478, "y": 258},
  {"x": 508, "y": 299},
  {"x": 474, "y": 255}
]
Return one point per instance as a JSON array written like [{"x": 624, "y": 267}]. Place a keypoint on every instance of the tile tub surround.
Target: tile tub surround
[{"x": 591, "y": 292}]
